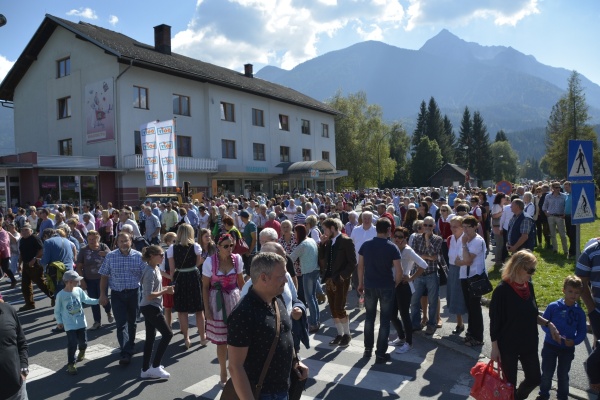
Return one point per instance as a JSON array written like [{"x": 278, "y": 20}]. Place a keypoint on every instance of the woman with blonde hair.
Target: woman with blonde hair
[
  {"x": 185, "y": 256},
  {"x": 105, "y": 228},
  {"x": 514, "y": 319}
]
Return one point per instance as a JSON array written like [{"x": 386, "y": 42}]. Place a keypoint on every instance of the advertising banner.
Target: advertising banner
[
  {"x": 150, "y": 154},
  {"x": 99, "y": 116},
  {"x": 165, "y": 139}
]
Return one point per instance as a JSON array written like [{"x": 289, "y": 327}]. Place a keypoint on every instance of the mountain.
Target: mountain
[{"x": 512, "y": 91}]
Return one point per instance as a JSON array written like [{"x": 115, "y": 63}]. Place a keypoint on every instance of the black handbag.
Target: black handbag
[{"x": 479, "y": 284}]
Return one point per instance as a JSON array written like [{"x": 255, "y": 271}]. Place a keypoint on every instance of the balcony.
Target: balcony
[
  {"x": 134, "y": 161},
  {"x": 68, "y": 162}
]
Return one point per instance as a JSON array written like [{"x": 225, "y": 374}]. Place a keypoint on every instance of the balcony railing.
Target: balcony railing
[{"x": 134, "y": 161}]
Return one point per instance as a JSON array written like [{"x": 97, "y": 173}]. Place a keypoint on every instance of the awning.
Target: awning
[{"x": 305, "y": 167}]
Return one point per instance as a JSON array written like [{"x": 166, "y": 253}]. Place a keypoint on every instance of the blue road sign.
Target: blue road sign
[
  {"x": 583, "y": 203},
  {"x": 579, "y": 165}
]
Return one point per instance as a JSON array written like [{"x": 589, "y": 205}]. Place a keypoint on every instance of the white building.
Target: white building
[{"x": 80, "y": 93}]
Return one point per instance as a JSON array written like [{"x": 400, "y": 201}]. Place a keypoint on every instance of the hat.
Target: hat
[
  {"x": 70, "y": 276},
  {"x": 244, "y": 214}
]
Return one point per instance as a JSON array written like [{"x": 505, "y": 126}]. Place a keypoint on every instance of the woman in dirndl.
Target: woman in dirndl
[{"x": 222, "y": 279}]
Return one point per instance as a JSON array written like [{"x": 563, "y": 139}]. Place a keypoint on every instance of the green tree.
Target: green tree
[
  {"x": 421, "y": 128},
  {"x": 399, "y": 148},
  {"x": 501, "y": 136},
  {"x": 450, "y": 155},
  {"x": 465, "y": 141},
  {"x": 568, "y": 120},
  {"x": 479, "y": 154},
  {"x": 504, "y": 161},
  {"x": 531, "y": 170},
  {"x": 360, "y": 141},
  {"x": 427, "y": 160}
]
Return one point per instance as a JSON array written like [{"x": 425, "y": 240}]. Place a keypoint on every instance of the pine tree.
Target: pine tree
[
  {"x": 450, "y": 155},
  {"x": 465, "y": 141},
  {"x": 481, "y": 154},
  {"x": 427, "y": 160},
  {"x": 501, "y": 136},
  {"x": 421, "y": 129}
]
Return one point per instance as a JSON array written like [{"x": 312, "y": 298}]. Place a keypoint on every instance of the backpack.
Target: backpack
[{"x": 54, "y": 273}]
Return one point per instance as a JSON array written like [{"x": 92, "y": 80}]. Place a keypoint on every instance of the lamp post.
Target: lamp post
[{"x": 378, "y": 158}]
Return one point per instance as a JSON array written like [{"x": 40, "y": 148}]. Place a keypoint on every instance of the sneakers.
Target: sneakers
[
  {"x": 155, "y": 373},
  {"x": 110, "y": 317},
  {"x": 72, "y": 369},
  {"x": 383, "y": 359},
  {"x": 81, "y": 355},
  {"x": 430, "y": 330},
  {"x": 27, "y": 307},
  {"x": 403, "y": 349},
  {"x": 96, "y": 325},
  {"x": 396, "y": 342}
]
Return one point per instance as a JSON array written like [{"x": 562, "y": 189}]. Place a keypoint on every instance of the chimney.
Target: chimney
[
  {"x": 162, "y": 39},
  {"x": 248, "y": 70}
]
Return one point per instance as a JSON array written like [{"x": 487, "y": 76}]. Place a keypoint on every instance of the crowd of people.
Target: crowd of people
[{"x": 239, "y": 264}]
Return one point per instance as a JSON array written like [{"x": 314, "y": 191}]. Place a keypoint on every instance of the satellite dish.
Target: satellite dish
[{"x": 2, "y": 20}]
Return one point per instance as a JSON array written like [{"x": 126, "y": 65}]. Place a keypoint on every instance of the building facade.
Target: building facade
[{"x": 81, "y": 92}]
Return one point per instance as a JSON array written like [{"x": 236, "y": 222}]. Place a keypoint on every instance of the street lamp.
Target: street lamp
[
  {"x": 2, "y": 20},
  {"x": 378, "y": 158}
]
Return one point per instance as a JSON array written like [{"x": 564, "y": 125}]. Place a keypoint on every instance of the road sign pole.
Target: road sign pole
[{"x": 577, "y": 242}]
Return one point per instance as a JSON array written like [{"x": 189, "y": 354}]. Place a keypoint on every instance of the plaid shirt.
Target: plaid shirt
[
  {"x": 525, "y": 225},
  {"x": 124, "y": 271},
  {"x": 434, "y": 248}
]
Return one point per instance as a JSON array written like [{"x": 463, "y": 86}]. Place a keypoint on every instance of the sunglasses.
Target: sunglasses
[
  {"x": 161, "y": 255},
  {"x": 226, "y": 246},
  {"x": 443, "y": 210},
  {"x": 555, "y": 187},
  {"x": 428, "y": 225},
  {"x": 530, "y": 271},
  {"x": 398, "y": 237}
]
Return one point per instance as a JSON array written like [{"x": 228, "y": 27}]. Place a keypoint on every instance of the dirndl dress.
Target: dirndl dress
[{"x": 224, "y": 295}]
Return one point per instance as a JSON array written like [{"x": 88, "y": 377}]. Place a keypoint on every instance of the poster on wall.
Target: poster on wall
[
  {"x": 99, "y": 115},
  {"x": 150, "y": 154}
]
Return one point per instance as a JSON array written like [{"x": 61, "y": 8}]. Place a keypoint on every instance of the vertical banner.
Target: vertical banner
[
  {"x": 165, "y": 139},
  {"x": 150, "y": 154},
  {"x": 100, "y": 122}
]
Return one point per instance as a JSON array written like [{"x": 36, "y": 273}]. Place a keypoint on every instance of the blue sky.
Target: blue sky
[{"x": 285, "y": 33}]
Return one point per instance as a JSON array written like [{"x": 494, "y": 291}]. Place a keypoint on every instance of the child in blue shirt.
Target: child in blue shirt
[
  {"x": 569, "y": 319},
  {"x": 69, "y": 315}
]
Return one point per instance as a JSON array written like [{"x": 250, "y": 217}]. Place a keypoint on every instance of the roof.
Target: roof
[
  {"x": 130, "y": 51},
  {"x": 301, "y": 167}
]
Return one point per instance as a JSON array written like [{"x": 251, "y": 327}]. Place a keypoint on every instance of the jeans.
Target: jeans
[
  {"x": 14, "y": 263},
  {"x": 125, "y": 310},
  {"x": 386, "y": 298},
  {"x": 531, "y": 368},
  {"x": 75, "y": 338},
  {"x": 155, "y": 320},
  {"x": 475, "y": 316},
  {"x": 550, "y": 354},
  {"x": 431, "y": 284},
  {"x": 93, "y": 288},
  {"x": 310, "y": 282},
  {"x": 403, "y": 298},
  {"x": 274, "y": 396}
]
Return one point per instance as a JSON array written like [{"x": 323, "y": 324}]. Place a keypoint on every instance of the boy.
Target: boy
[
  {"x": 569, "y": 318},
  {"x": 69, "y": 315}
]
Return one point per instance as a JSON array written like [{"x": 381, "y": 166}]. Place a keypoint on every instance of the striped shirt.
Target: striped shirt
[
  {"x": 555, "y": 204},
  {"x": 124, "y": 271},
  {"x": 588, "y": 266}
]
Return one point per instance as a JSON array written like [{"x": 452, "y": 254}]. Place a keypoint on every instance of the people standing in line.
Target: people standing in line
[
  {"x": 521, "y": 228},
  {"x": 514, "y": 320},
  {"x": 337, "y": 261},
  {"x": 454, "y": 293},
  {"x": 185, "y": 259},
  {"x": 497, "y": 209},
  {"x": 379, "y": 274},
  {"x": 89, "y": 261},
  {"x": 69, "y": 316},
  {"x": 151, "y": 308},
  {"x": 121, "y": 271},
  {"x": 554, "y": 208},
  {"x": 14, "y": 362},
  {"x": 222, "y": 279}
]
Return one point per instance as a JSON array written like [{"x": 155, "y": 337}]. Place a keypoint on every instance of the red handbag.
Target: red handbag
[{"x": 490, "y": 384}]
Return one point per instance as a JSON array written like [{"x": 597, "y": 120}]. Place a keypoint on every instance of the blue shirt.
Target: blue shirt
[
  {"x": 378, "y": 259},
  {"x": 124, "y": 271},
  {"x": 48, "y": 223},
  {"x": 68, "y": 309},
  {"x": 193, "y": 217},
  {"x": 568, "y": 204},
  {"x": 58, "y": 248},
  {"x": 569, "y": 321}
]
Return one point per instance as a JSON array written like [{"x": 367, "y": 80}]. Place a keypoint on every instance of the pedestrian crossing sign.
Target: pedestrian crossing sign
[
  {"x": 579, "y": 166},
  {"x": 583, "y": 202}
]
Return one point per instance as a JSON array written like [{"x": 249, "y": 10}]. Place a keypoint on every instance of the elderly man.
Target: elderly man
[
  {"x": 124, "y": 219},
  {"x": 273, "y": 223},
  {"x": 169, "y": 217},
  {"x": 152, "y": 234},
  {"x": 554, "y": 208},
  {"x": 521, "y": 228},
  {"x": 361, "y": 234},
  {"x": 121, "y": 271},
  {"x": 30, "y": 251}
]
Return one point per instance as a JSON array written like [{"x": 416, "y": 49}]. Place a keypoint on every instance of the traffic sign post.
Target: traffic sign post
[{"x": 580, "y": 172}]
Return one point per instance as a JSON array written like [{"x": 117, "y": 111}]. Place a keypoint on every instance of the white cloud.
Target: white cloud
[
  {"x": 82, "y": 12},
  {"x": 113, "y": 20},
  {"x": 280, "y": 32},
  {"x": 5, "y": 66},
  {"x": 441, "y": 12}
]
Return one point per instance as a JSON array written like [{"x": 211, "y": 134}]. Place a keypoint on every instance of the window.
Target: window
[
  {"x": 325, "y": 130},
  {"x": 259, "y": 151},
  {"x": 325, "y": 156},
  {"x": 284, "y": 154},
  {"x": 137, "y": 140},
  {"x": 64, "y": 107},
  {"x": 140, "y": 97},
  {"x": 306, "y": 127},
  {"x": 63, "y": 67},
  {"x": 284, "y": 123},
  {"x": 228, "y": 148},
  {"x": 65, "y": 147},
  {"x": 305, "y": 154},
  {"x": 227, "y": 112},
  {"x": 181, "y": 105},
  {"x": 184, "y": 146},
  {"x": 258, "y": 117}
]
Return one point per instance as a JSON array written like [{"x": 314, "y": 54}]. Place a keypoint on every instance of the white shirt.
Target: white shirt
[
  {"x": 203, "y": 220},
  {"x": 408, "y": 259},
  {"x": 289, "y": 292},
  {"x": 360, "y": 235},
  {"x": 477, "y": 247},
  {"x": 455, "y": 249},
  {"x": 507, "y": 214},
  {"x": 529, "y": 209}
]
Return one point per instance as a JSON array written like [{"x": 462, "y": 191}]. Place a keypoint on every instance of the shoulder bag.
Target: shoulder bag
[{"x": 229, "y": 390}]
